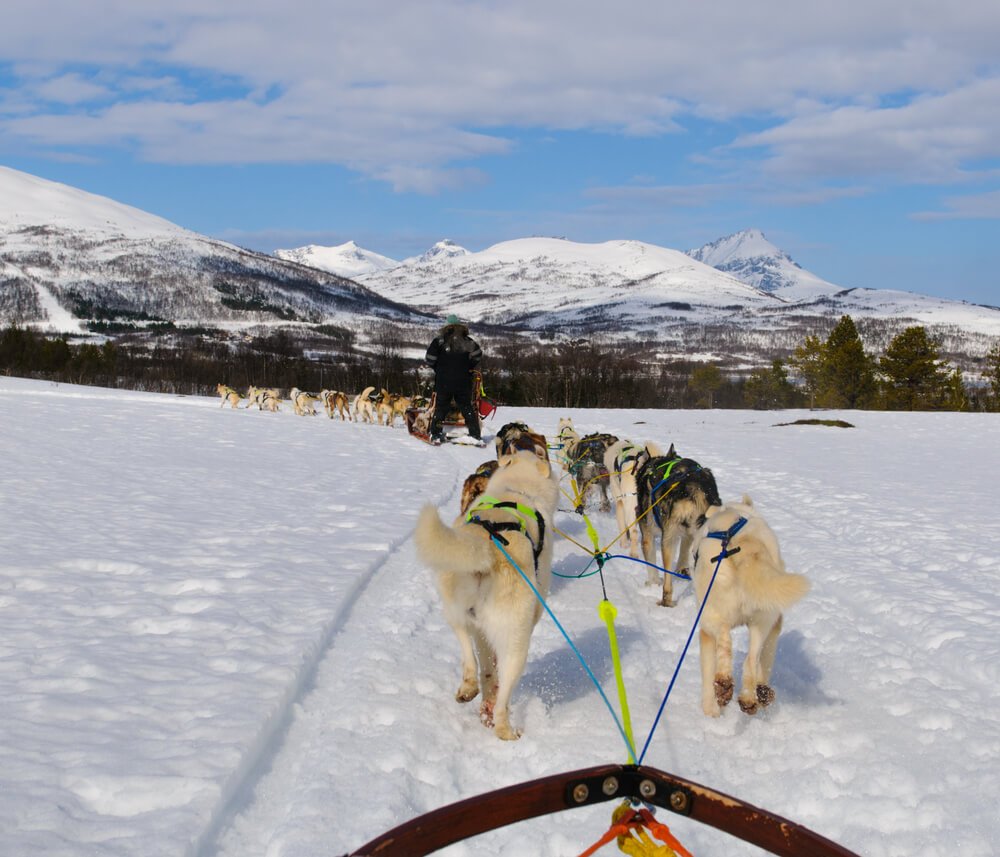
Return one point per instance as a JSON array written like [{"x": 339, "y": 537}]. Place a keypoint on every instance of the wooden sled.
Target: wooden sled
[{"x": 468, "y": 818}]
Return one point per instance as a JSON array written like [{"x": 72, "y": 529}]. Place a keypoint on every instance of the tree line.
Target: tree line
[{"x": 835, "y": 372}]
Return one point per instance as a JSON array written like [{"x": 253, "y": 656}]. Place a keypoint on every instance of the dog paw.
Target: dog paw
[
  {"x": 507, "y": 732},
  {"x": 711, "y": 707},
  {"x": 765, "y": 694},
  {"x": 466, "y": 693},
  {"x": 724, "y": 690},
  {"x": 486, "y": 714},
  {"x": 665, "y": 602},
  {"x": 748, "y": 706}
]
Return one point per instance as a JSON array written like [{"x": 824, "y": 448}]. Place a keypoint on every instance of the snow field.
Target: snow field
[{"x": 217, "y": 640}]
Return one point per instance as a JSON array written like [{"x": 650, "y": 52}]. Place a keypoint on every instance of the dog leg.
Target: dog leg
[
  {"x": 667, "y": 555},
  {"x": 765, "y": 694},
  {"x": 648, "y": 536},
  {"x": 469, "y": 688},
  {"x": 723, "y": 680},
  {"x": 754, "y": 689},
  {"x": 709, "y": 698},
  {"x": 510, "y": 666}
]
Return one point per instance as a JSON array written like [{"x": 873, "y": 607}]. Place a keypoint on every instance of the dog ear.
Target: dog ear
[
  {"x": 747, "y": 501},
  {"x": 671, "y": 453},
  {"x": 544, "y": 468}
]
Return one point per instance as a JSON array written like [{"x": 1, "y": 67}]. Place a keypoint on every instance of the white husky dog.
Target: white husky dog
[
  {"x": 751, "y": 588},
  {"x": 490, "y": 607},
  {"x": 622, "y": 460}
]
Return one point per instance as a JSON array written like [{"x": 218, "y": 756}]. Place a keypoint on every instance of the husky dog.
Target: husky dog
[
  {"x": 622, "y": 461},
  {"x": 564, "y": 430},
  {"x": 674, "y": 494},
  {"x": 583, "y": 459},
  {"x": 475, "y": 483},
  {"x": 388, "y": 406},
  {"x": 303, "y": 403},
  {"x": 272, "y": 401},
  {"x": 517, "y": 435},
  {"x": 336, "y": 402},
  {"x": 228, "y": 395},
  {"x": 259, "y": 396},
  {"x": 751, "y": 588},
  {"x": 489, "y": 606},
  {"x": 363, "y": 409}
]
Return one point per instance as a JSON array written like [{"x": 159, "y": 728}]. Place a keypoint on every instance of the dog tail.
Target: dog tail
[
  {"x": 445, "y": 548},
  {"x": 768, "y": 587}
]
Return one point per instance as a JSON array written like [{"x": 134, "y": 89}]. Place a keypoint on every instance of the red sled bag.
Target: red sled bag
[{"x": 487, "y": 407}]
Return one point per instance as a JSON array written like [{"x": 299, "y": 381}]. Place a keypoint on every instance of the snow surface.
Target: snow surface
[{"x": 217, "y": 640}]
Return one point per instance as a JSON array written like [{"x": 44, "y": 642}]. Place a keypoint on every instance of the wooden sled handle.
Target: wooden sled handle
[{"x": 475, "y": 815}]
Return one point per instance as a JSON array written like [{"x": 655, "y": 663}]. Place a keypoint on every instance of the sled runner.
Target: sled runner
[
  {"x": 418, "y": 417},
  {"x": 635, "y": 783}
]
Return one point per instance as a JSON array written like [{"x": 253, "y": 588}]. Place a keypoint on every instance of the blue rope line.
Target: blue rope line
[
  {"x": 677, "y": 669},
  {"x": 576, "y": 651},
  {"x": 651, "y": 565}
]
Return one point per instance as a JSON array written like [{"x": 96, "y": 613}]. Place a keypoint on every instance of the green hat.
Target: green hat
[{"x": 451, "y": 319}]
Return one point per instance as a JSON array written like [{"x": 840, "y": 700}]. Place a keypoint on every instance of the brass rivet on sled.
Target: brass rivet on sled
[
  {"x": 581, "y": 792},
  {"x": 678, "y": 801},
  {"x": 610, "y": 786},
  {"x": 647, "y": 788}
]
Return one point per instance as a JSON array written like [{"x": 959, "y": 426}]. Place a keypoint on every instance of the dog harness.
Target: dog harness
[
  {"x": 725, "y": 536},
  {"x": 518, "y": 510}
]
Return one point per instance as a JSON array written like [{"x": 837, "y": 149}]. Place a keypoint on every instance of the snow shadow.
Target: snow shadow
[
  {"x": 796, "y": 676},
  {"x": 557, "y": 677}
]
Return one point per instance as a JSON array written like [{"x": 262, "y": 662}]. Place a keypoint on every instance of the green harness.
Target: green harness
[{"x": 519, "y": 511}]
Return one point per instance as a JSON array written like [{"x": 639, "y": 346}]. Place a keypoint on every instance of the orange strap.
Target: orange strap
[
  {"x": 636, "y": 820},
  {"x": 622, "y": 828}
]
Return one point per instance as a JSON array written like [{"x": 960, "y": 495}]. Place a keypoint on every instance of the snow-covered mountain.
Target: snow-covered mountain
[
  {"x": 67, "y": 256},
  {"x": 345, "y": 260},
  {"x": 444, "y": 249},
  {"x": 552, "y": 282},
  {"x": 750, "y": 257}
]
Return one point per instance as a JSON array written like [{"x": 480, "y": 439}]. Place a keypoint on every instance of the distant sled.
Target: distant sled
[{"x": 418, "y": 416}]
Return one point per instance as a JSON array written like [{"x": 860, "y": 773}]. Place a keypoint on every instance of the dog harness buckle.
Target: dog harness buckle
[{"x": 725, "y": 536}]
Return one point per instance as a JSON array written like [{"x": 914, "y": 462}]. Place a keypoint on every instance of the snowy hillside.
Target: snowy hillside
[
  {"x": 750, "y": 257},
  {"x": 27, "y": 201},
  {"x": 345, "y": 260},
  {"x": 66, "y": 255},
  {"x": 218, "y": 641}
]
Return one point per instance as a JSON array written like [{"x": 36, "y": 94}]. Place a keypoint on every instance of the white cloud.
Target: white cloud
[
  {"x": 408, "y": 91},
  {"x": 933, "y": 138},
  {"x": 70, "y": 89},
  {"x": 978, "y": 206}
]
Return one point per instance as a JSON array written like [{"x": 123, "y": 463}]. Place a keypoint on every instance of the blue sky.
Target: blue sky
[{"x": 864, "y": 139}]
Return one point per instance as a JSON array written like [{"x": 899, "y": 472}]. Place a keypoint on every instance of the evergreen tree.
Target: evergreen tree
[
  {"x": 768, "y": 389},
  {"x": 915, "y": 380},
  {"x": 848, "y": 374},
  {"x": 704, "y": 381},
  {"x": 992, "y": 375},
  {"x": 808, "y": 361}
]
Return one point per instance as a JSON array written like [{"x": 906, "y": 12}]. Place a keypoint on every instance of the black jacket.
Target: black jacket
[{"x": 453, "y": 355}]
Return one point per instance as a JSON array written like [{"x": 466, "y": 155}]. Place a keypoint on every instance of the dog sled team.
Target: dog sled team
[
  {"x": 383, "y": 408},
  {"x": 502, "y": 540}
]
